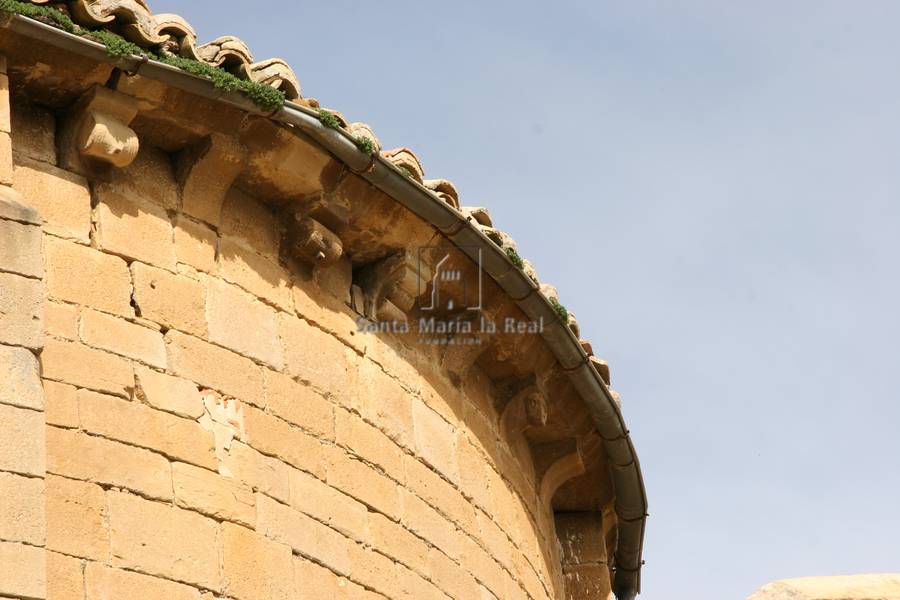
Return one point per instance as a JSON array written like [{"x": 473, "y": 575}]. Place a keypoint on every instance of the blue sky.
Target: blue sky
[{"x": 715, "y": 190}]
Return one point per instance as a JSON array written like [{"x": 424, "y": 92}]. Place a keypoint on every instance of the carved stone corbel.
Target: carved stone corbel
[
  {"x": 205, "y": 172},
  {"x": 528, "y": 408},
  {"x": 565, "y": 460},
  {"x": 312, "y": 242},
  {"x": 95, "y": 134},
  {"x": 379, "y": 281}
]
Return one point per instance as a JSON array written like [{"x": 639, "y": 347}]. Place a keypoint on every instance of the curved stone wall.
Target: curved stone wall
[{"x": 216, "y": 426}]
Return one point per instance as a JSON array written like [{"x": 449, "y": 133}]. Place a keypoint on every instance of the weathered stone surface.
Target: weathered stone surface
[
  {"x": 262, "y": 473},
  {"x": 315, "y": 356},
  {"x": 306, "y": 536},
  {"x": 326, "y": 504},
  {"x": 134, "y": 229},
  {"x": 95, "y": 131},
  {"x": 435, "y": 440},
  {"x": 21, "y": 311},
  {"x": 66, "y": 580},
  {"x": 122, "y": 337},
  {"x": 258, "y": 275},
  {"x": 34, "y": 133},
  {"x": 364, "y": 483},
  {"x": 328, "y": 312},
  {"x": 77, "y": 364},
  {"x": 174, "y": 301},
  {"x": 222, "y": 498},
  {"x": 14, "y": 207},
  {"x": 61, "y": 320},
  {"x": 398, "y": 542},
  {"x": 139, "y": 425},
  {"x": 239, "y": 321},
  {"x": 851, "y": 587},
  {"x": 369, "y": 443},
  {"x": 255, "y": 568},
  {"x": 195, "y": 244},
  {"x": 427, "y": 523},
  {"x": 20, "y": 384},
  {"x": 102, "y": 582},
  {"x": 169, "y": 393},
  {"x": 21, "y": 509},
  {"x": 63, "y": 199},
  {"x": 247, "y": 219},
  {"x": 299, "y": 404},
  {"x": 22, "y": 442},
  {"x": 159, "y": 539},
  {"x": 76, "y": 518},
  {"x": 20, "y": 251},
  {"x": 83, "y": 275},
  {"x": 149, "y": 177},
  {"x": 206, "y": 171},
  {"x": 60, "y": 404},
  {"x": 275, "y": 437},
  {"x": 214, "y": 367},
  {"x": 22, "y": 571},
  {"x": 81, "y": 456}
]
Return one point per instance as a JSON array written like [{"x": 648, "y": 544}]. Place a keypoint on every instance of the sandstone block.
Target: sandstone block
[
  {"x": 222, "y": 498},
  {"x": 588, "y": 581},
  {"x": 435, "y": 440},
  {"x": 328, "y": 313},
  {"x": 873, "y": 586},
  {"x": 121, "y": 337},
  {"x": 175, "y": 301},
  {"x": 275, "y": 437},
  {"x": 22, "y": 442},
  {"x": 76, "y": 515},
  {"x": 428, "y": 485},
  {"x": 214, "y": 367},
  {"x": 246, "y": 219},
  {"x": 299, "y": 404},
  {"x": 262, "y": 473},
  {"x": 62, "y": 198},
  {"x": 451, "y": 577},
  {"x": 133, "y": 229},
  {"x": 21, "y": 381},
  {"x": 71, "y": 362},
  {"x": 314, "y": 581},
  {"x": 162, "y": 540},
  {"x": 60, "y": 404},
  {"x": 66, "y": 581},
  {"x": 255, "y": 568},
  {"x": 34, "y": 133},
  {"x": 474, "y": 471},
  {"x": 139, "y": 425},
  {"x": 169, "y": 393},
  {"x": 148, "y": 177},
  {"x": 61, "y": 320},
  {"x": 375, "y": 571},
  {"x": 195, "y": 245},
  {"x": 411, "y": 586},
  {"x": 81, "y": 456},
  {"x": 102, "y": 582},
  {"x": 483, "y": 567},
  {"x": 495, "y": 541},
  {"x": 427, "y": 523},
  {"x": 385, "y": 403},
  {"x": 20, "y": 251},
  {"x": 316, "y": 357},
  {"x": 83, "y": 275},
  {"x": 21, "y": 509},
  {"x": 369, "y": 443},
  {"x": 326, "y": 504},
  {"x": 398, "y": 543},
  {"x": 239, "y": 321},
  {"x": 6, "y": 153},
  {"x": 21, "y": 311},
  {"x": 256, "y": 274},
  {"x": 306, "y": 536},
  {"x": 22, "y": 571},
  {"x": 364, "y": 483},
  {"x": 13, "y": 207}
]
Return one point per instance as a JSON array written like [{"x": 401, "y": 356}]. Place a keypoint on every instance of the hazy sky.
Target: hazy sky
[{"x": 714, "y": 187}]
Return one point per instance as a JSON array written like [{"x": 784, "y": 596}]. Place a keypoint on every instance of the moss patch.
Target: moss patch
[
  {"x": 365, "y": 144},
  {"x": 264, "y": 96},
  {"x": 329, "y": 119},
  {"x": 515, "y": 258},
  {"x": 561, "y": 310}
]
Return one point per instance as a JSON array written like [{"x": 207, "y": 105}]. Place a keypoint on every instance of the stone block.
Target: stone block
[
  {"x": 214, "y": 367},
  {"x": 386, "y": 404},
  {"x": 21, "y": 381},
  {"x": 262, "y": 473},
  {"x": 20, "y": 251},
  {"x": 435, "y": 440},
  {"x": 60, "y": 404},
  {"x": 326, "y": 504},
  {"x": 61, "y": 320},
  {"x": 316, "y": 357},
  {"x": 83, "y": 275},
  {"x": 76, "y": 518},
  {"x": 258, "y": 275},
  {"x": 249, "y": 220},
  {"x": 122, "y": 337},
  {"x": 22, "y": 442},
  {"x": 62, "y": 198},
  {"x": 277, "y": 438},
  {"x": 22, "y": 571},
  {"x": 174, "y": 301},
  {"x": 66, "y": 581},
  {"x": 195, "y": 245},
  {"x": 427, "y": 523},
  {"x": 21, "y": 311},
  {"x": 34, "y": 133},
  {"x": 255, "y": 568},
  {"x": 159, "y": 539},
  {"x": 77, "y": 364},
  {"x": 360, "y": 481},
  {"x": 102, "y": 583},
  {"x": 133, "y": 229},
  {"x": 22, "y": 509},
  {"x": 81, "y": 456},
  {"x": 223, "y": 498},
  {"x": 169, "y": 393},
  {"x": 139, "y": 425},
  {"x": 398, "y": 542},
  {"x": 299, "y": 404},
  {"x": 240, "y": 322}
]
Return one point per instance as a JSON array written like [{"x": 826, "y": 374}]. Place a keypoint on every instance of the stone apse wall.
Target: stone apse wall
[{"x": 187, "y": 415}]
